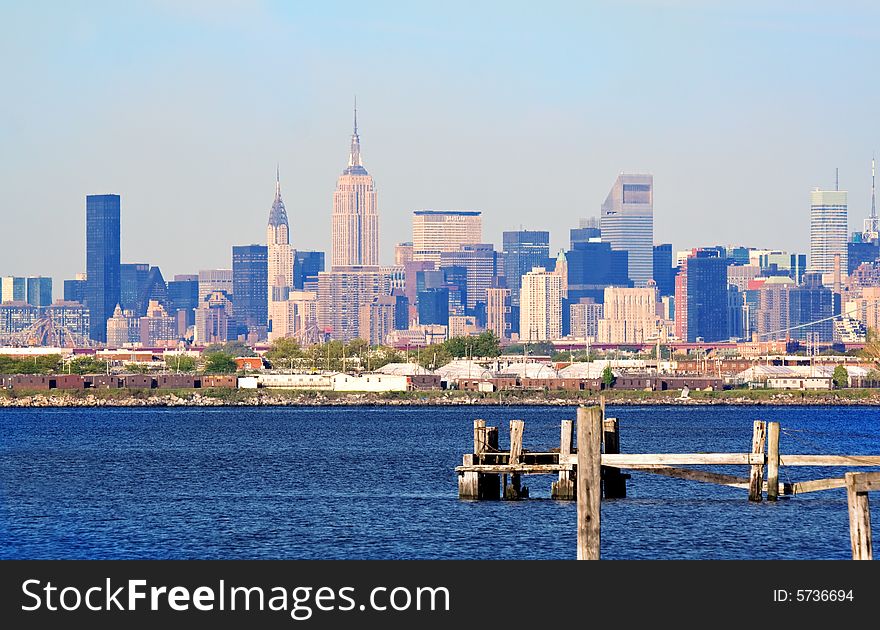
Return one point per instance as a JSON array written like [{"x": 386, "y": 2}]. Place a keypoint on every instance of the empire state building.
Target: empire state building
[{"x": 355, "y": 229}]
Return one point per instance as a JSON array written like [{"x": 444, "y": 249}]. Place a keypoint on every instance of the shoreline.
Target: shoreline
[{"x": 291, "y": 398}]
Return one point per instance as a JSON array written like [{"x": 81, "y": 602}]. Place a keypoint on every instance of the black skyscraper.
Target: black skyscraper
[
  {"x": 102, "y": 262},
  {"x": 250, "y": 286}
]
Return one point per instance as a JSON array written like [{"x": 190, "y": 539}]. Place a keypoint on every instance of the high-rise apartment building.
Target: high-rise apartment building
[
  {"x": 498, "y": 312},
  {"x": 585, "y": 315},
  {"x": 629, "y": 315},
  {"x": 773, "y": 308},
  {"x": 540, "y": 313},
  {"x": 523, "y": 250},
  {"x": 342, "y": 292},
  {"x": 627, "y": 223},
  {"x": 355, "y": 221},
  {"x": 828, "y": 230},
  {"x": 250, "y": 273},
  {"x": 102, "y": 261},
  {"x": 377, "y": 320},
  {"x": 442, "y": 231}
]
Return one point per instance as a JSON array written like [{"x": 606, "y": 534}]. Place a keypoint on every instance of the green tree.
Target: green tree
[
  {"x": 486, "y": 344},
  {"x": 87, "y": 365},
  {"x": 44, "y": 364},
  {"x": 434, "y": 356},
  {"x": 840, "y": 377},
  {"x": 872, "y": 346},
  {"x": 284, "y": 353},
  {"x": 384, "y": 355},
  {"x": 608, "y": 377},
  {"x": 180, "y": 363},
  {"x": 234, "y": 348},
  {"x": 219, "y": 363}
]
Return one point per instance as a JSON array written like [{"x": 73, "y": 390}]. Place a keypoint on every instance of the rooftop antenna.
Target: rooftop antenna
[
  {"x": 836, "y": 179},
  {"x": 871, "y": 231}
]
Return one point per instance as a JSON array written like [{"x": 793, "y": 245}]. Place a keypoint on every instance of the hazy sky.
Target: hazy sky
[{"x": 524, "y": 110}]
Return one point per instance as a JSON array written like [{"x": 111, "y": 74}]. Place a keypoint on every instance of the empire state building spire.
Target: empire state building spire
[{"x": 354, "y": 156}]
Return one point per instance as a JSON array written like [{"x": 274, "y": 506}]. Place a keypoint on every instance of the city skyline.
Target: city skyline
[{"x": 174, "y": 168}]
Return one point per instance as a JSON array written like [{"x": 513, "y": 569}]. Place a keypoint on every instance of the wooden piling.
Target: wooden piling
[
  {"x": 513, "y": 490},
  {"x": 480, "y": 443},
  {"x": 564, "y": 487},
  {"x": 589, "y": 443},
  {"x": 859, "y": 517},
  {"x": 613, "y": 480},
  {"x": 756, "y": 477},
  {"x": 476, "y": 485},
  {"x": 772, "y": 461}
]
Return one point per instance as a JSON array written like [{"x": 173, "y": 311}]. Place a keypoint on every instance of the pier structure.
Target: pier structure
[{"x": 588, "y": 465}]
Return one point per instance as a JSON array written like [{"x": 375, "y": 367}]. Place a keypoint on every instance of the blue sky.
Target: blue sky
[{"x": 524, "y": 111}]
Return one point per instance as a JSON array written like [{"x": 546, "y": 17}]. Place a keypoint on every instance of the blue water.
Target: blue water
[{"x": 379, "y": 483}]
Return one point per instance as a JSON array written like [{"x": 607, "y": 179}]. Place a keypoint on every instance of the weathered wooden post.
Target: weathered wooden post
[
  {"x": 513, "y": 490},
  {"x": 563, "y": 488},
  {"x": 473, "y": 485},
  {"x": 772, "y": 461},
  {"x": 479, "y": 439},
  {"x": 589, "y": 474},
  {"x": 859, "y": 515},
  {"x": 614, "y": 481},
  {"x": 756, "y": 477}
]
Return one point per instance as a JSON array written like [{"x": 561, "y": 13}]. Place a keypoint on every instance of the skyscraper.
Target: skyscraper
[
  {"x": 701, "y": 297},
  {"x": 828, "y": 229},
  {"x": 306, "y": 267},
  {"x": 481, "y": 262},
  {"x": 664, "y": 272},
  {"x": 250, "y": 273},
  {"x": 39, "y": 291},
  {"x": 183, "y": 300},
  {"x": 627, "y": 223},
  {"x": 102, "y": 261},
  {"x": 13, "y": 289},
  {"x": 211, "y": 280},
  {"x": 523, "y": 250},
  {"x": 132, "y": 282},
  {"x": 280, "y": 255},
  {"x": 440, "y": 231},
  {"x": 540, "y": 312},
  {"x": 75, "y": 290},
  {"x": 355, "y": 223}
]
